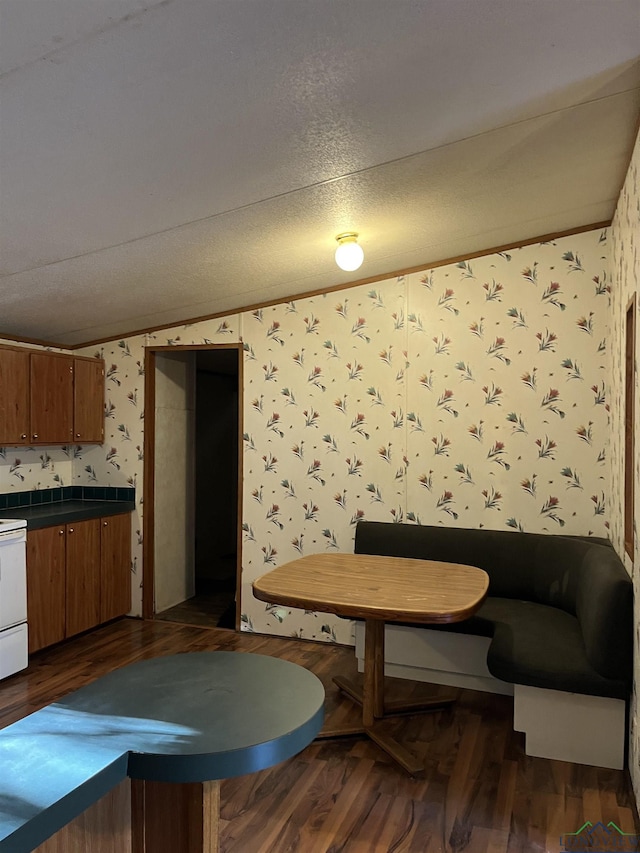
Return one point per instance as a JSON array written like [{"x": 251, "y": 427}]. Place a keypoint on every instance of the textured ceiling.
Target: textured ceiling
[{"x": 166, "y": 160}]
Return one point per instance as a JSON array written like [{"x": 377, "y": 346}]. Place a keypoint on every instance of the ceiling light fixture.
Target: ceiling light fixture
[{"x": 349, "y": 255}]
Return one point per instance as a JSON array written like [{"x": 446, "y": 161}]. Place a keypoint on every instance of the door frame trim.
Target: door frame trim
[{"x": 148, "y": 488}]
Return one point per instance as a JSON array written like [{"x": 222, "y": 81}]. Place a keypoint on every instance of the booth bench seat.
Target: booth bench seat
[{"x": 555, "y": 631}]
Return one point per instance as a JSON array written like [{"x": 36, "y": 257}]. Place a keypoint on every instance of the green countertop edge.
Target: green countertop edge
[{"x": 62, "y": 512}]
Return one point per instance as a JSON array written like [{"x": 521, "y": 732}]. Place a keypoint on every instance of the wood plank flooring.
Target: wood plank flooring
[
  {"x": 204, "y": 609},
  {"x": 479, "y": 792}
]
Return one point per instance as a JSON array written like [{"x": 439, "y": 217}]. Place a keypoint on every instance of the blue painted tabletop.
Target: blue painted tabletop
[{"x": 182, "y": 718}]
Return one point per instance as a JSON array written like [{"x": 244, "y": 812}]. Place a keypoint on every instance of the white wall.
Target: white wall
[{"x": 174, "y": 479}]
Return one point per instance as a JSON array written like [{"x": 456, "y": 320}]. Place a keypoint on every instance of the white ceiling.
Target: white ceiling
[{"x": 167, "y": 159}]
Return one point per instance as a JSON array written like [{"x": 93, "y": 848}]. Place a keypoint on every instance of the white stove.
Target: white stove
[
  {"x": 11, "y": 524},
  {"x": 13, "y": 596}
]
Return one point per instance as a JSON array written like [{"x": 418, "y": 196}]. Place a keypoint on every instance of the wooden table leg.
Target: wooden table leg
[
  {"x": 374, "y": 706},
  {"x": 373, "y": 687},
  {"x": 370, "y": 692}
]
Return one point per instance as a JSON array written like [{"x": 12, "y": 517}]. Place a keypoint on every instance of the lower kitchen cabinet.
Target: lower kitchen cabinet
[
  {"x": 46, "y": 586},
  {"x": 83, "y": 576},
  {"x": 78, "y": 576},
  {"x": 115, "y": 566}
]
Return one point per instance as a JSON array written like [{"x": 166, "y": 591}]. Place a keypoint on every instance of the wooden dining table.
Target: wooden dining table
[{"x": 378, "y": 589}]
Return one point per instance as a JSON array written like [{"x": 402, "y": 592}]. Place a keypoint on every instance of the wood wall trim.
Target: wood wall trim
[
  {"x": 148, "y": 487},
  {"x": 185, "y": 347},
  {"x": 629, "y": 381},
  {"x": 243, "y": 309},
  {"x": 240, "y": 487},
  {"x": 36, "y": 342}
]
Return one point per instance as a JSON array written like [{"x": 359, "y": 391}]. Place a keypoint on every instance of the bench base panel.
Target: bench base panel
[
  {"x": 571, "y": 726},
  {"x": 561, "y": 726},
  {"x": 435, "y": 657}
]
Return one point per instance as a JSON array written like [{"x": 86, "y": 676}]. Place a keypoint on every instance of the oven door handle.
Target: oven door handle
[{"x": 12, "y": 535}]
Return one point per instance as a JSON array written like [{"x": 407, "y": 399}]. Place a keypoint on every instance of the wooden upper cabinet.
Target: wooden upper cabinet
[
  {"x": 88, "y": 400},
  {"x": 14, "y": 396},
  {"x": 51, "y": 398}
]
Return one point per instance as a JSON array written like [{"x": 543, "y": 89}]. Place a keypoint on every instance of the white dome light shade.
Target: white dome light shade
[{"x": 349, "y": 255}]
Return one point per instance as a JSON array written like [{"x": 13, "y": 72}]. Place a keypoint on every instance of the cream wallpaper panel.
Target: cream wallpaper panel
[
  {"x": 506, "y": 398},
  {"x": 324, "y": 441}
]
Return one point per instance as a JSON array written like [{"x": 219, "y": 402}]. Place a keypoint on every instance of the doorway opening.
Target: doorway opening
[
  {"x": 192, "y": 435},
  {"x": 216, "y": 483}
]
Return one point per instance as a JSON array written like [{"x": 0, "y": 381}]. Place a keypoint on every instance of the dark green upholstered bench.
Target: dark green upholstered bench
[{"x": 555, "y": 630}]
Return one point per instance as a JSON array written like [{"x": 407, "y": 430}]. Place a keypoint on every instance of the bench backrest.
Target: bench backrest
[{"x": 585, "y": 578}]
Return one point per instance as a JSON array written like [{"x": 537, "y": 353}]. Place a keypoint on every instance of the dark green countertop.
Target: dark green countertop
[
  {"x": 181, "y": 718},
  {"x": 62, "y": 512}
]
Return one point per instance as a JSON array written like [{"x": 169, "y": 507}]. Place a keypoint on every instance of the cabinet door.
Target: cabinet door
[
  {"x": 83, "y": 575},
  {"x": 51, "y": 398},
  {"x": 14, "y": 397},
  {"x": 88, "y": 400},
  {"x": 115, "y": 566},
  {"x": 45, "y": 586}
]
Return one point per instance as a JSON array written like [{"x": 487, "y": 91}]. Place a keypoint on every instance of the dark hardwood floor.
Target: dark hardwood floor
[
  {"x": 207, "y": 609},
  {"x": 212, "y": 606},
  {"x": 479, "y": 792}
]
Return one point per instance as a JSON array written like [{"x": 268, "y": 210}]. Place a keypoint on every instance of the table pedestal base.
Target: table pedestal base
[
  {"x": 374, "y": 705},
  {"x": 171, "y": 817}
]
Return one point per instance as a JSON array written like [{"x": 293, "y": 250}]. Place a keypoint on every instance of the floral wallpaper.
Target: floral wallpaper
[
  {"x": 469, "y": 395},
  {"x": 506, "y": 408},
  {"x": 325, "y": 391},
  {"x": 472, "y": 394},
  {"x": 625, "y": 281}
]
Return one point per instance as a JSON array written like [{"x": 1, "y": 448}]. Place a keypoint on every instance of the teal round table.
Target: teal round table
[{"x": 173, "y": 725}]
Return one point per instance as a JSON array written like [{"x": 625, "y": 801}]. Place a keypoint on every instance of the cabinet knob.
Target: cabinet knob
[
  {"x": 71, "y": 530},
  {"x": 77, "y": 435},
  {"x": 60, "y": 532},
  {"x": 35, "y": 435},
  {"x": 24, "y": 435},
  {"x": 105, "y": 523}
]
